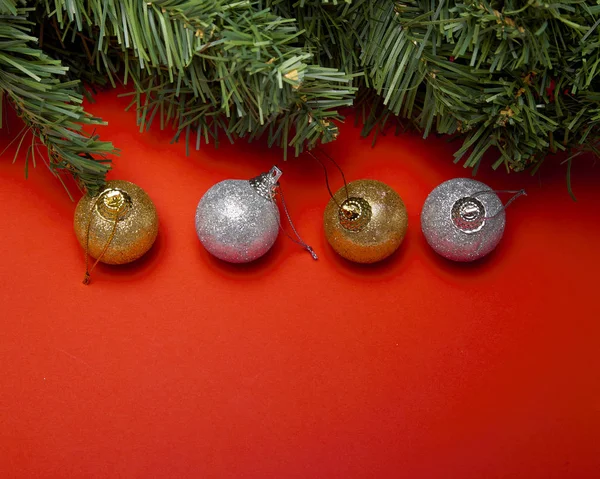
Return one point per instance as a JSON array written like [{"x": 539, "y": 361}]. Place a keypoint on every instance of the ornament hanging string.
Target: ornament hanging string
[
  {"x": 299, "y": 240},
  {"x": 267, "y": 186},
  {"x": 88, "y": 271},
  {"x": 327, "y": 175},
  {"x": 516, "y": 194}
]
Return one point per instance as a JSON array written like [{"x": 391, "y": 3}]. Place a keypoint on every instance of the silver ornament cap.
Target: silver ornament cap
[
  {"x": 463, "y": 219},
  {"x": 237, "y": 220}
]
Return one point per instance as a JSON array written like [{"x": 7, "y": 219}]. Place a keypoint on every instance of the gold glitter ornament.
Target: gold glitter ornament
[
  {"x": 365, "y": 223},
  {"x": 118, "y": 225}
]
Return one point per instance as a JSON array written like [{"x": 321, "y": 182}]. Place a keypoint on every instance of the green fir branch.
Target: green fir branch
[
  {"x": 50, "y": 108},
  {"x": 215, "y": 66},
  {"x": 517, "y": 77}
]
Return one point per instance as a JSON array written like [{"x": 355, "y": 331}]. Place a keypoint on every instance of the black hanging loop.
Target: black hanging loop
[{"x": 327, "y": 175}]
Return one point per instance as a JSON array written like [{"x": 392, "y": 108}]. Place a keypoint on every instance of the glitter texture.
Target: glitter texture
[
  {"x": 137, "y": 226},
  {"x": 380, "y": 236},
  {"x": 235, "y": 223},
  {"x": 467, "y": 237}
]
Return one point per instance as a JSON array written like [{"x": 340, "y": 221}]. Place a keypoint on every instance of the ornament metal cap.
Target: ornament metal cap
[
  {"x": 355, "y": 213},
  {"x": 113, "y": 203},
  {"x": 468, "y": 214},
  {"x": 265, "y": 183}
]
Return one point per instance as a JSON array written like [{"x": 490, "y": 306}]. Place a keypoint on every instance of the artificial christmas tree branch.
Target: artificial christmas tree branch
[
  {"x": 519, "y": 78},
  {"x": 214, "y": 65},
  {"x": 50, "y": 108}
]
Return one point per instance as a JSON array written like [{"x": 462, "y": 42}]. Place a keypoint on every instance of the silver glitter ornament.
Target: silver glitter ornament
[
  {"x": 463, "y": 219},
  {"x": 237, "y": 220}
]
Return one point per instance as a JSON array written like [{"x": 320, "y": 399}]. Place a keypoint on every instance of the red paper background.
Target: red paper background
[{"x": 183, "y": 366}]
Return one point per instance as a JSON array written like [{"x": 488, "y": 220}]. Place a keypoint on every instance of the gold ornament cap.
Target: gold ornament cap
[
  {"x": 369, "y": 224},
  {"x": 113, "y": 204},
  {"x": 355, "y": 213},
  {"x": 118, "y": 225}
]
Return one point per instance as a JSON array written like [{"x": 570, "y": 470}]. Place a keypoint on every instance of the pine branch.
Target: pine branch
[
  {"x": 213, "y": 66},
  {"x": 50, "y": 108},
  {"x": 9, "y": 7},
  {"x": 518, "y": 77},
  {"x": 504, "y": 74},
  {"x": 330, "y": 28}
]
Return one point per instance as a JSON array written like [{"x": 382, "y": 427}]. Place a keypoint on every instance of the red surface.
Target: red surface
[{"x": 183, "y": 366}]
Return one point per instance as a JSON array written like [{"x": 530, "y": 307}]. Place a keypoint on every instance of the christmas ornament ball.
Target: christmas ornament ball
[
  {"x": 237, "y": 220},
  {"x": 463, "y": 219},
  {"x": 369, "y": 224},
  {"x": 136, "y": 223}
]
